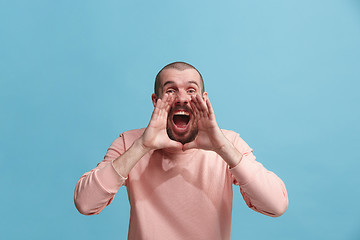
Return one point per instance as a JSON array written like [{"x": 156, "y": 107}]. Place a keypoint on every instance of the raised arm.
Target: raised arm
[
  {"x": 97, "y": 188},
  {"x": 262, "y": 190}
]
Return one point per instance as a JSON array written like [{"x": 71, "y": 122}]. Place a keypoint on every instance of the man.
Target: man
[{"x": 179, "y": 171}]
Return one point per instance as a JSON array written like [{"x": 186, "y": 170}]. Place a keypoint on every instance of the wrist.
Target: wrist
[
  {"x": 230, "y": 154},
  {"x": 224, "y": 145},
  {"x": 223, "y": 149},
  {"x": 142, "y": 148}
]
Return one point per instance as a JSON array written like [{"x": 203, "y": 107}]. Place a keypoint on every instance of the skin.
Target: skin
[
  {"x": 180, "y": 86},
  {"x": 180, "y": 90}
]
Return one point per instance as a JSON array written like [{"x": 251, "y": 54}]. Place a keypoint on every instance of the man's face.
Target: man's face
[{"x": 181, "y": 124}]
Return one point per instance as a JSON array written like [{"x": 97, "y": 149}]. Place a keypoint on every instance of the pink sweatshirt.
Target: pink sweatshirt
[{"x": 181, "y": 195}]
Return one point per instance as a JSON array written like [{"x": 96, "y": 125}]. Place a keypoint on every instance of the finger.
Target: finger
[
  {"x": 167, "y": 106},
  {"x": 156, "y": 111},
  {"x": 190, "y": 145},
  {"x": 164, "y": 100},
  {"x": 164, "y": 105},
  {"x": 196, "y": 103},
  {"x": 170, "y": 102},
  {"x": 174, "y": 144},
  {"x": 210, "y": 109},
  {"x": 194, "y": 107},
  {"x": 201, "y": 106}
]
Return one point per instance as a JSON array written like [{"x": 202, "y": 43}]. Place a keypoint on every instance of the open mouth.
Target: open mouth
[{"x": 181, "y": 119}]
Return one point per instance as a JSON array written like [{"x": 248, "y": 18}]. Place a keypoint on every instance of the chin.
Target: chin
[{"x": 186, "y": 138}]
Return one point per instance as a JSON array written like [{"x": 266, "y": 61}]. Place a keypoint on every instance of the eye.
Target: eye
[
  {"x": 170, "y": 91},
  {"x": 191, "y": 91}
]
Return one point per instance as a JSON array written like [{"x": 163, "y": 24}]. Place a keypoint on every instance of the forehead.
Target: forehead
[{"x": 180, "y": 77}]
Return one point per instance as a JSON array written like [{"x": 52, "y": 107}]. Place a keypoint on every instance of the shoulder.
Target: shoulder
[
  {"x": 129, "y": 137},
  {"x": 133, "y": 133},
  {"x": 230, "y": 135},
  {"x": 238, "y": 142}
]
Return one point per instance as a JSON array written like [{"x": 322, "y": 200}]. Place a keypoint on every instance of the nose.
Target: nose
[{"x": 182, "y": 98}]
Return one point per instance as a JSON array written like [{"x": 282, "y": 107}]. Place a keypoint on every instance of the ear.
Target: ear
[
  {"x": 154, "y": 99},
  {"x": 205, "y": 96}
]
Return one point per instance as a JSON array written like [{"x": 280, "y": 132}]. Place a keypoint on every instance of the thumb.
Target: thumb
[
  {"x": 189, "y": 145},
  {"x": 174, "y": 144}
]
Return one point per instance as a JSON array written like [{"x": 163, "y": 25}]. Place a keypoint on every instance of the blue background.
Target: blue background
[{"x": 75, "y": 74}]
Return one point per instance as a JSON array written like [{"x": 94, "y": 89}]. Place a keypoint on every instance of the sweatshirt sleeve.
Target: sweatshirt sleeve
[
  {"x": 97, "y": 188},
  {"x": 261, "y": 189}
]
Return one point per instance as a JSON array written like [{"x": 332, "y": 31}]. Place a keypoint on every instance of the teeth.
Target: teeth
[{"x": 182, "y": 113}]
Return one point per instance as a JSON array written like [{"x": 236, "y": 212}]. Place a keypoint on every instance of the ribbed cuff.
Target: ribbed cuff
[{"x": 109, "y": 178}]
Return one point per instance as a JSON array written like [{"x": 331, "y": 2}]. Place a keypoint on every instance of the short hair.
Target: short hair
[{"x": 181, "y": 66}]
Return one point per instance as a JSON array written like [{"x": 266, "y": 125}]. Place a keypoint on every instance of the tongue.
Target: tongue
[{"x": 181, "y": 121}]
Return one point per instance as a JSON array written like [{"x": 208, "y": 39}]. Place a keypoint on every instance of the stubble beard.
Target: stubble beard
[{"x": 185, "y": 139}]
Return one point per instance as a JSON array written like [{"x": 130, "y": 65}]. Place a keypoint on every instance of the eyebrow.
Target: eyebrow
[{"x": 170, "y": 82}]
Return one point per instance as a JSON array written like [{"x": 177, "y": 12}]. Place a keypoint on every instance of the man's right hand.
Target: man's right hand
[{"x": 155, "y": 135}]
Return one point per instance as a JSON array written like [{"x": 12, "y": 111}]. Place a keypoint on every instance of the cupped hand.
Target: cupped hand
[
  {"x": 155, "y": 135},
  {"x": 209, "y": 137}
]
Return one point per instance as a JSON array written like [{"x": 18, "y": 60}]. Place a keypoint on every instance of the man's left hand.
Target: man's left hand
[{"x": 209, "y": 137}]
